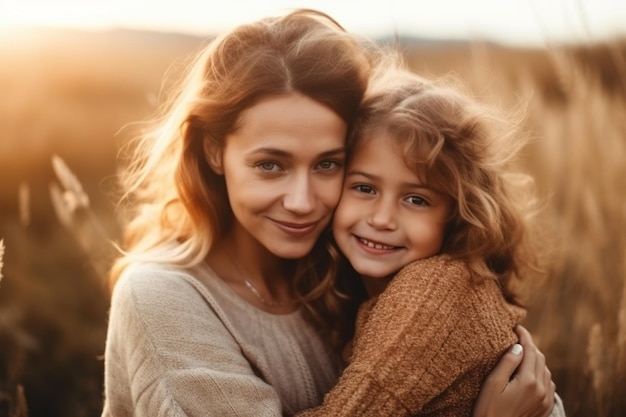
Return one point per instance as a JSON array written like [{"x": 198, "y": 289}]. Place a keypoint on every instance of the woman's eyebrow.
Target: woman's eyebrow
[
  {"x": 282, "y": 152},
  {"x": 333, "y": 152}
]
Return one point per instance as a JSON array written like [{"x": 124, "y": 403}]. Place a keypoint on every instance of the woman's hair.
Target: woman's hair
[
  {"x": 178, "y": 207},
  {"x": 462, "y": 149}
]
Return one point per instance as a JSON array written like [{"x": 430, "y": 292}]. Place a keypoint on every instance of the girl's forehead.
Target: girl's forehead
[
  {"x": 402, "y": 151},
  {"x": 379, "y": 140},
  {"x": 378, "y": 148}
]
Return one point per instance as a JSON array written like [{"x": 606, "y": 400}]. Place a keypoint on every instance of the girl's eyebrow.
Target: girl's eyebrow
[
  {"x": 362, "y": 173},
  {"x": 373, "y": 177},
  {"x": 281, "y": 152}
]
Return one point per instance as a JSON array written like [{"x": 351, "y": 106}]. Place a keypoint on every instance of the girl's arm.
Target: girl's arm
[
  {"x": 428, "y": 342},
  {"x": 529, "y": 392}
]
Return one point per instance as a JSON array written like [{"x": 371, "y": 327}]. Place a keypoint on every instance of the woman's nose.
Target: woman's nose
[{"x": 300, "y": 197}]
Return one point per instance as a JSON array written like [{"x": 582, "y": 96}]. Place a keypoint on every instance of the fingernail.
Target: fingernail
[{"x": 516, "y": 349}]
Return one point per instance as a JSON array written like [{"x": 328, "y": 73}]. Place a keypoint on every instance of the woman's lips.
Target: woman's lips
[{"x": 296, "y": 229}]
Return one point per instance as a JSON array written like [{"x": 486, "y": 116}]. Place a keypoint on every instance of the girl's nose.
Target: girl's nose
[{"x": 383, "y": 215}]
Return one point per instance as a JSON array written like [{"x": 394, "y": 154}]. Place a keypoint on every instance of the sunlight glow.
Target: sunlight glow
[{"x": 520, "y": 21}]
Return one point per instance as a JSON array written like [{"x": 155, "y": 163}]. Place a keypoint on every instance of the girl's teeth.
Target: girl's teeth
[{"x": 373, "y": 245}]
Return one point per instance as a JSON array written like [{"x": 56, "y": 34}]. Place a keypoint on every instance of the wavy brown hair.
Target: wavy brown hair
[
  {"x": 463, "y": 149},
  {"x": 177, "y": 206}
]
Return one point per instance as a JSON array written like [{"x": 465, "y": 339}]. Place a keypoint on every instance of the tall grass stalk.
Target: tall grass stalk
[
  {"x": 1, "y": 257},
  {"x": 1, "y": 266},
  {"x": 23, "y": 198},
  {"x": 72, "y": 207},
  {"x": 14, "y": 339}
]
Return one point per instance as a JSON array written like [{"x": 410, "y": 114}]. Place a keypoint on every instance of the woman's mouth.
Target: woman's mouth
[{"x": 296, "y": 229}]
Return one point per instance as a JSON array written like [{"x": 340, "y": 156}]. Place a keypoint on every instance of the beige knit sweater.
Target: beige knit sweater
[
  {"x": 425, "y": 346},
  {"x": 182, "y": 343}
]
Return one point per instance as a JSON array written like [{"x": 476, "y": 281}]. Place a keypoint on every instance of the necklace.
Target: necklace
[
  {"x": 268, "y": 303},
  {"x": 256, "y": 292}
]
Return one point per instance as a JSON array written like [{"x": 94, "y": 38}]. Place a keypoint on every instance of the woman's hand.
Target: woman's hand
[{"x": 514, "y": 390}]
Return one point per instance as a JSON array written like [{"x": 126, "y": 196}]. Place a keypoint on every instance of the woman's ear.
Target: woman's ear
[{"x": 213, "y": 155}]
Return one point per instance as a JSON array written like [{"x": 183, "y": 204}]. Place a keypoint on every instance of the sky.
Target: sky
[{"x": 522, "y": 22}]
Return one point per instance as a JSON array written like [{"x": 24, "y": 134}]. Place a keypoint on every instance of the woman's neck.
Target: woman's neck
[{"x": 255, "y": 274}]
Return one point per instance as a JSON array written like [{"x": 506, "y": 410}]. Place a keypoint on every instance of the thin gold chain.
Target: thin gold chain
[{"x": 254, "y": 290}]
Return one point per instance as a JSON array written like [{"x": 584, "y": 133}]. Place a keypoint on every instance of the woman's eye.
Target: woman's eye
[
  {"x": 268, "y": 166},
  {"x": 362, "y": 188},
  {"x": 328, "y": 165},
  {"x": 416, "y": 200}
]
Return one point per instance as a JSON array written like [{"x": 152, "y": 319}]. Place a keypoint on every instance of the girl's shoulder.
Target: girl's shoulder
[
  {"x": 437, "y": 278},
  {"x": 424, "y": 280},
  {"x": 433, "y": 267}
]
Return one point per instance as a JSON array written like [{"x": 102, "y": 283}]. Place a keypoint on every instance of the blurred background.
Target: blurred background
[{"x": 73, "y": 74}]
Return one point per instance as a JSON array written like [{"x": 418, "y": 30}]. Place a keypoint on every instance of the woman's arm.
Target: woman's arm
[{"x": 520, "y": 385}]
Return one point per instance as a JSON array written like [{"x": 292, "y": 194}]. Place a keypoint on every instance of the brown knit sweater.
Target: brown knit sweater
[{"x": 425, "y": 345}]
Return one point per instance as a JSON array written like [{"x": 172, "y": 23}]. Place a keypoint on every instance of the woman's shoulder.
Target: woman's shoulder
[
  {"x": 152, "y": 277},
  {"x": 158, "y": 301},
  {"x": 154, "y": 287}
]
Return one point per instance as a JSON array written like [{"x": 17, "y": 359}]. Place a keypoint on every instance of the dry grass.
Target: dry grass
[
  {"x": 576, "y": 100},
  {"x": 71, "y": 102},
  {"x": 576, "y": 105}
]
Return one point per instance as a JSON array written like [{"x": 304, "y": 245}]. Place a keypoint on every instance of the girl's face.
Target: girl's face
[
  {"x": 283, "y": 169},
  {"x": 387, "y": 217}
]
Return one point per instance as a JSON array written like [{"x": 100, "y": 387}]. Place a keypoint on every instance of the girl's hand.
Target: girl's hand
[{"x": 514, "y": 390}]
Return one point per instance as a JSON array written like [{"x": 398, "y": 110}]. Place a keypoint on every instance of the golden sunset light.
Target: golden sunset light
[{"x": 82, "y": 80}]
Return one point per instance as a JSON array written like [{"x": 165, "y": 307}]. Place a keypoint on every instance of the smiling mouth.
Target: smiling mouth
[
  {"x": 296, "y": 229},
  {"x": 296, "y": 225},
  {"x": 376, "y": 245}
]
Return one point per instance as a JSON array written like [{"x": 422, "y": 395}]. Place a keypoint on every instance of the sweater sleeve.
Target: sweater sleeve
[
  {"x": 168, "y": 354},
  {"x": 559, "y": 409},
  {"x": 421, "y": 340}
]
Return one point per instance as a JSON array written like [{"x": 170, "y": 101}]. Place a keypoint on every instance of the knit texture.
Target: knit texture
[
  {"x": 425, "y": 345},
  {"x": 182, "y": 343}
]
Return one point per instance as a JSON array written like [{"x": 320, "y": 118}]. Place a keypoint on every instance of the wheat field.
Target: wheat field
[{"x": 66, "y": 95}]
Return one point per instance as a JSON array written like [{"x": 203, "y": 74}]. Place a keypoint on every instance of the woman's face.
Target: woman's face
[{"x": 283, "y": 169}]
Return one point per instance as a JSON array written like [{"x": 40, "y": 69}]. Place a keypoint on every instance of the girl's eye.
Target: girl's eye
[
  {"x": 416, "y": 200},
  {"x": 363, "y": 188},
  {"x": 268, "y": 166}
]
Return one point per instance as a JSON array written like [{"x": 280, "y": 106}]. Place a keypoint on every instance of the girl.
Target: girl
[
  {"x": 427, "y": 193},
  {"x": 224, "y": 301}
]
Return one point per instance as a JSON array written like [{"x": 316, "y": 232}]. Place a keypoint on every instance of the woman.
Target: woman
[{"x": 225, "y": 302}]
